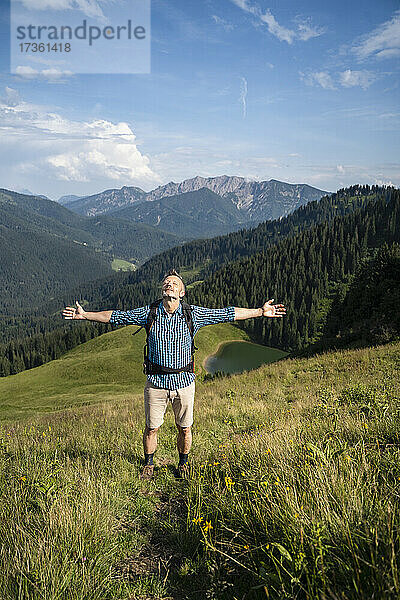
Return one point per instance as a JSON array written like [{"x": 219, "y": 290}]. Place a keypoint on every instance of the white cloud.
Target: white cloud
[
  {"x": 54, "y": 74},
  {"x": 27, "y": 72},
  {"x": 48, "y": 144},
  {"x": 223, "y": 23},
  {"x": 351, "y": 78},
  {"x": 321, "y": 78},
  {"x": 243, "y": 96},
  {"x": 305, "y": 30},
  {"x": 382, "y": 42},
  {"x": 346, "y": 78},
  {"x": 282, "y": 33},
  {"x": 11, "y": 97},
  {"x": 51, "y": 74},
  {"x": 90, "y": 8}
]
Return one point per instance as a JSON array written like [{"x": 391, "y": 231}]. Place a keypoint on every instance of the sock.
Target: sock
[
  {"x": 183, "y": 458},
  {"x": 148, "y": 459}
]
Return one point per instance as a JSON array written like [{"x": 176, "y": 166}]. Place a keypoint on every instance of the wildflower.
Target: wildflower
[
  {"x": 243, "y": 474},
  {"x": 264, "y": 483},
  {"x": 197, "y": 521},
  {"x": 216, "y": 463},
  {"x": 296, "y": 515},
  {"x": 268, "y": 450},
  {"x": 207, "y": 526},
  {"x": 23, "y": 478},
  {"x": 246, "y": 547},
  {"x": 229, "y": 482}
]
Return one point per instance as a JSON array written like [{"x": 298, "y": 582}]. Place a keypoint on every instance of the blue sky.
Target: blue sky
[{"x": 303, "y": 93}]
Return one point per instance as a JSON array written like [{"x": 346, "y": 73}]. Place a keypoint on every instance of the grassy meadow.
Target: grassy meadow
[
  {"x": 294, "y": 493},
  {"x": 119, "y": 264}
]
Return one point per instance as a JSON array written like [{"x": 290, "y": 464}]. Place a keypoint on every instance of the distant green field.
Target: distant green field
[
  {"x": 101, "y": 370},
  {"x": 118, "y": 264},
  {"x": 189, "y": 275}
]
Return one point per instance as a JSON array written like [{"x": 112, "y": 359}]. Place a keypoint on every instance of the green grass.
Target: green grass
[
  {"x": 191, "y": 275},
  {"x": 118, "y": 264},
  {"x": 296, "y": 469}
]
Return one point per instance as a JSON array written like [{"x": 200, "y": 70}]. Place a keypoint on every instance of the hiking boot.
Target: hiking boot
[
  {"x": 183, "y": 471},
  {"x": 147, "y": 473}
]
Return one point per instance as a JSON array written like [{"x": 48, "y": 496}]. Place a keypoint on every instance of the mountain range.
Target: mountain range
[{"x": 256, "y": 201}]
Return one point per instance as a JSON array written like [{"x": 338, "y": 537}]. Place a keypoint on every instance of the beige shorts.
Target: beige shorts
[{"x": 156, "y": 402}]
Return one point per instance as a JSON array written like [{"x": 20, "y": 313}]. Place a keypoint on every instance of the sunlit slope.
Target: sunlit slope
[{"x": 102, "y": 369}]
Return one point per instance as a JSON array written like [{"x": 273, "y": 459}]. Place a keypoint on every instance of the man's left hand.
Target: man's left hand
[{"x": 273, "y": 310}]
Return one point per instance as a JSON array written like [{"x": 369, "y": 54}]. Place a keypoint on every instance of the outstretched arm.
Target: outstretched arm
[
  {"x": 267, "y": 310},
  {"x": 78, "y": 313}
]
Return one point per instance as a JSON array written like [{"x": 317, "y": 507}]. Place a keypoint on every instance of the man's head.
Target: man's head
[{"x": 173, "y": 286}]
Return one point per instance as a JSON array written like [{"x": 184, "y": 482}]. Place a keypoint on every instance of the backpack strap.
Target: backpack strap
[
  {"x": 151, "y": 317},
  {"x": 187, "y": 313}
]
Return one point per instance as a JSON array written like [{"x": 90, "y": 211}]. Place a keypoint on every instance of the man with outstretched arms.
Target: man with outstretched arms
[{"x": 171, "y": 325}]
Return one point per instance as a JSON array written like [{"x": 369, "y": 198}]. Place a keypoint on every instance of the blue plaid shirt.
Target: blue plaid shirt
[{"x": 170, "y": 342}]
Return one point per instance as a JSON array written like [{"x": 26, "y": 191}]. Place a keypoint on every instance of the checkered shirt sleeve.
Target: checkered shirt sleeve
[
  {"x": 136, "y": 316},
  {"x": 203, "y": 316}
]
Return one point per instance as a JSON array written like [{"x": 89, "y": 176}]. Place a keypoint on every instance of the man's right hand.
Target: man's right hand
[{"x": 71, "y": 312}]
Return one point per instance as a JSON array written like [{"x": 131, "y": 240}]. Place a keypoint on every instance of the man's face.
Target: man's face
[{"x": 173, "y": 287}]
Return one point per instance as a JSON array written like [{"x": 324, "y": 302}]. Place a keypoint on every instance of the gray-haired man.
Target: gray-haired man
[{"x": 170, "y": 372}]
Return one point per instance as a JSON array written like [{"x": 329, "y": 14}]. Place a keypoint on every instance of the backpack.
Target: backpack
[{"x": 150, "y": 368}]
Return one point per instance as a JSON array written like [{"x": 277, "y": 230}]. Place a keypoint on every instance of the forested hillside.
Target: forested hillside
[
  {"x": 292, "y": 260},
  {"x": 366, "y": 309},
  {"x": 301, "y": 272},
  {"x": 46, "y": 249}
]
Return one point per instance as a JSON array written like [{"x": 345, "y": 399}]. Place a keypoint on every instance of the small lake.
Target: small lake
[{"x": 239, "y": 356}]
